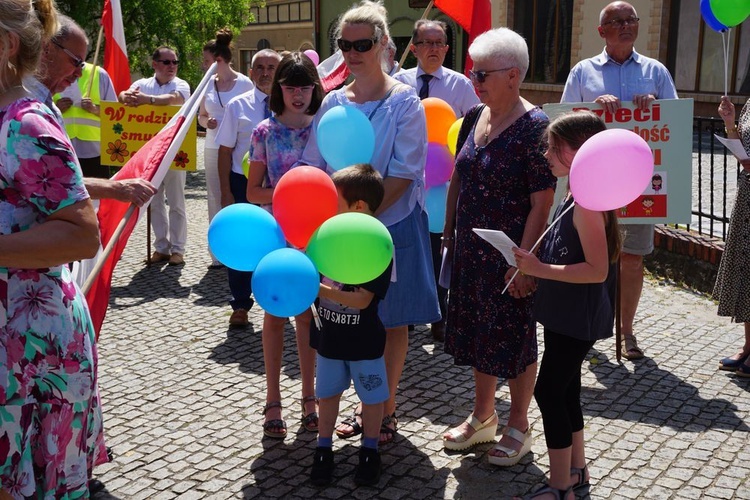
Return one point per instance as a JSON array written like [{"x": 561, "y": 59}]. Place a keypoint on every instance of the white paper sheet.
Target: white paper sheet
[
  {"x": 734, "y": 146},
  {"x": 499, "y": 240}
]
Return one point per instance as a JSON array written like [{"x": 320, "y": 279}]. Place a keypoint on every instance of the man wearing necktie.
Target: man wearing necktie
[
  {"x": 431, "y": 79},
  {"x": 242, "y": 115}
]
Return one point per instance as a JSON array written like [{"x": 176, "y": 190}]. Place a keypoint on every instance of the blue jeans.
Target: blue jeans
[{"x": 239, "y": 281}]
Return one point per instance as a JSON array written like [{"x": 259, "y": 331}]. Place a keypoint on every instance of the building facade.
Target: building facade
[{"x": 559, "y": 33}]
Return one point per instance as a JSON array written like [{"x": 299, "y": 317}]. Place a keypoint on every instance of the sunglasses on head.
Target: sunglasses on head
[
  {"x": 77, "y": 61},
  {"x": 481, "y": 76},
  {"x": 167, "y": 62},
  {"x": 363, "y": 45}
]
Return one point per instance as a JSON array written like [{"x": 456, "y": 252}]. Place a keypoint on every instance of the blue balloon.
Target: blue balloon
[
  {"x": 345, "y": 137},
  {"x": 285, "y": 283},
  {"x": 242, "y": 234},
  {"x": 710, "y": 18},
  {"x": 435, "y": 205}
]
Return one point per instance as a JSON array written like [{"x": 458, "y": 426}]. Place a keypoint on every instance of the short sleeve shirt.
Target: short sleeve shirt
[
  {"x": 349, "y": 333},
  {"x": 242, "y": 115}
]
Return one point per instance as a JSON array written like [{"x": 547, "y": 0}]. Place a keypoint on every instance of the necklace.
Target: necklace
[{"x": 488, "y": 128}]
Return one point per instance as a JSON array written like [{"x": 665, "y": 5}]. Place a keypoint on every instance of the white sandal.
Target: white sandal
[
  {"x": 484, "y": 432},
  {"x": 512, "y": 456}
]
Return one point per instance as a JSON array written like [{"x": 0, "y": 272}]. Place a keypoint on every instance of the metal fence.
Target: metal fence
[{"x": 715, "y": 173}]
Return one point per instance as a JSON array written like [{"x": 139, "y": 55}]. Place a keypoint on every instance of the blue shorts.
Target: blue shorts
[
  {"x": 411, "y": 298},
  {"x": 333, "y": 377},
  {"x": 637, "y": 239}
]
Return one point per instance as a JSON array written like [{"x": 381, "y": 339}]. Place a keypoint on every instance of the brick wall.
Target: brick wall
[{"x": 685, "y": 257}]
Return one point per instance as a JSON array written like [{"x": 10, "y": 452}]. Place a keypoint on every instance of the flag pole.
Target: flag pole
[
  {"x": 108, "y": 250},
  {"x": 96, "y": 59},
  {"x": 191, "y": 105},
  {"x": 406, "y": 52}
]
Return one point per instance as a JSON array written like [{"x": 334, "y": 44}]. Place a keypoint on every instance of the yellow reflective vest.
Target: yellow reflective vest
[{"x": 79, "y": 123}]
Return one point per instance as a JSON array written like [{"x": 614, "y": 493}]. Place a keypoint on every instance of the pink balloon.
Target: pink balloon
[
  {"x": 610, "y": 170},
  {"x": 314, "y": 57},
  {"x": 439, "y": 166}
]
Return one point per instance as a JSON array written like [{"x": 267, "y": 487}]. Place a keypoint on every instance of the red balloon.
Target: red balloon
[{"x": 303, "y": 199}]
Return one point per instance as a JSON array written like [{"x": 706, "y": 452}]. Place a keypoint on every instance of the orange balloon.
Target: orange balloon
[{"x": 440, "y": 117}]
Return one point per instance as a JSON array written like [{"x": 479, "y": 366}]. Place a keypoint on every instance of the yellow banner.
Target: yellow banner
[{"x": 125, "y": 129}]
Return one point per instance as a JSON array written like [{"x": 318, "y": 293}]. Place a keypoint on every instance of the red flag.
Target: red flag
[
  {"x": 333, "y": 71},
  {"x": 115, "y": 50},
  {"x": 144, "y": 163},
  {"x": 151, "y": 162},
  {"x": 474, "y": 16}
]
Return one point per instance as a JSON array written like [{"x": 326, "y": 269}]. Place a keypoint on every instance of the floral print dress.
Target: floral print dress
[
  {"x": 278, "y": 147},
  {"x": 50, "y": 417},
  {"x": 485, "y": 329}
]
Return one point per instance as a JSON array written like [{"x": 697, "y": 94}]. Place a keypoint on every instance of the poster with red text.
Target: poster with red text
[{"x": 667, "y": 127}]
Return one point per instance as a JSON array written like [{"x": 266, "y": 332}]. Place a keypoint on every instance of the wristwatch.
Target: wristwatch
[{"x": 151, "y": 99}]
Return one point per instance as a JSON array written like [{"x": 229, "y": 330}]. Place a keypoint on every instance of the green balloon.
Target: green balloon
[
  {"x": 246, "y": 164},
  {"x": 351, "y": 248},
  {"x": 730, "y": 12}
]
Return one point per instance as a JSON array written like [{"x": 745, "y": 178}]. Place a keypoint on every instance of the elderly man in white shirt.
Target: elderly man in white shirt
[
  {"x": 241, "y": 116},
  {"x": 164, "y": 89}
]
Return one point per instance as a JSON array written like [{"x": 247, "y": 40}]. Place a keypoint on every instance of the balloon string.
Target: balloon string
[
  {"x": 725, "y": 37},
  {"x": 316, "y": 318},
  {"x": 539, "y": 241}
]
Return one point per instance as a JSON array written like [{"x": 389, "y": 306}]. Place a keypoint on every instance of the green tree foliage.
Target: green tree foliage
[{"x": 185, "y": 25}]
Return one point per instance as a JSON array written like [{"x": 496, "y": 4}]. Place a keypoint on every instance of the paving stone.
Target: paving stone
[{"x": 182, "y": 394}]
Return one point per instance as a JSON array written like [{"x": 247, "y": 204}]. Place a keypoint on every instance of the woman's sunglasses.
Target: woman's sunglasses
[{"x": 363, "y": 45}]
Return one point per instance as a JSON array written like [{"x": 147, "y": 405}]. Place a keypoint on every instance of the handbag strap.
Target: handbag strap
[
  {"x": 380, "y": 103},
  {"x": 468, "y": 124}
]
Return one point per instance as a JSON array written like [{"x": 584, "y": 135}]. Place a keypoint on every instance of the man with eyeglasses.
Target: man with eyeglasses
[
  {"x": 164, "y": 89},
  {"x": 61, "y": 65},
  {"x": 241, "y": 116},
  {"x": 431, "y": 79},
  {"x": 619, "y": 74}
]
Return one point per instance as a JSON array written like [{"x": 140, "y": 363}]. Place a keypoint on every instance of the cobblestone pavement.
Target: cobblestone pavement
[{"x": 182, "y": 395}]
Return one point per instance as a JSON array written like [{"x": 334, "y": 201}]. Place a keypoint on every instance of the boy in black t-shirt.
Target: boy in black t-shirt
[{"x": 351, "y": 342}]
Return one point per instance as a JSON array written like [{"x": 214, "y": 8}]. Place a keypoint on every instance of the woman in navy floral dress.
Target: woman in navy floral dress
[{"x": 501, "y": 181}]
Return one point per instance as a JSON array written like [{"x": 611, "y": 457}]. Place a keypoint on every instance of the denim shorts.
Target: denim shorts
[
  {"x": 333, "y": 377},
  {"x": 411, "y": 298}
]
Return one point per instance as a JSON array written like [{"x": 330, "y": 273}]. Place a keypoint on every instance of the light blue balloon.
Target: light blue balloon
[
  {"x": 435, "y": 205},
  {"x": 345, "y": 137},
  {"x": 285, "y": 283},
  {"x": 242, "y": 234}
]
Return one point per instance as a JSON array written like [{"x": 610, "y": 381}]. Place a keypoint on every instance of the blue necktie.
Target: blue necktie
[
  {"x": 424, "y": 90},
  {"x": 266, "y": 109}
]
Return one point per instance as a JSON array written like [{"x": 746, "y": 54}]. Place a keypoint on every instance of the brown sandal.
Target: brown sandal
[
  {"x": 352, "y": 422},
  {"x": 630, "y": 349},
  {"x": 276, "y": 423},
  {"x": 309, "y": 421},
  {"x": 385, "y": 429}
]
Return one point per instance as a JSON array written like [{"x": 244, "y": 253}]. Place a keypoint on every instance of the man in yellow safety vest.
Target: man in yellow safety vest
[{"x": 79, "y": 104}]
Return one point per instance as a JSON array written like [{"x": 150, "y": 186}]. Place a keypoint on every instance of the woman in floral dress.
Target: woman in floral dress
[
  {"x": 50, "y": 419},
  {"x": 501, "y": 181}
]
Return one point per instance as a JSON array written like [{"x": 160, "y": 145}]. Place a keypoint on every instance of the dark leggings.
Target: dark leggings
[{"x": 558, "y": 388}]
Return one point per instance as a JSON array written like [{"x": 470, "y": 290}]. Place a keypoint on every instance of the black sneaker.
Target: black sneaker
[
  {"x": 321, "y": 473},
  {"x": 368, "y": 470}
]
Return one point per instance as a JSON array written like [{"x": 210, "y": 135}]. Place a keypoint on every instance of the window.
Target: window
[
  {"x": 283, "y": 13},
  {"x": 246, "y": 58},
  {"x": 696, "y": 53},
  {"x": 547, "y": 27}
]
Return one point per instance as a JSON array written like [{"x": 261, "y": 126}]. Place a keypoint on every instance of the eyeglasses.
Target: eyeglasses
[
  {"x": 481, "y": 76},
  {"x": 167, "y": 62},
  {"x": 619, "y": 23},
  {"x": 77, "y": 61},
  {"x": 430, "y": 45},
  {"x": 293, "y": 89},
  {"x": 363, "y": 45}
]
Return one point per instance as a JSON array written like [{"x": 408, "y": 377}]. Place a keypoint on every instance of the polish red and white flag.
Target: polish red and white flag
[
  {"x": 115, "y": 50},
  {"x": 333, "y": 71}
]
